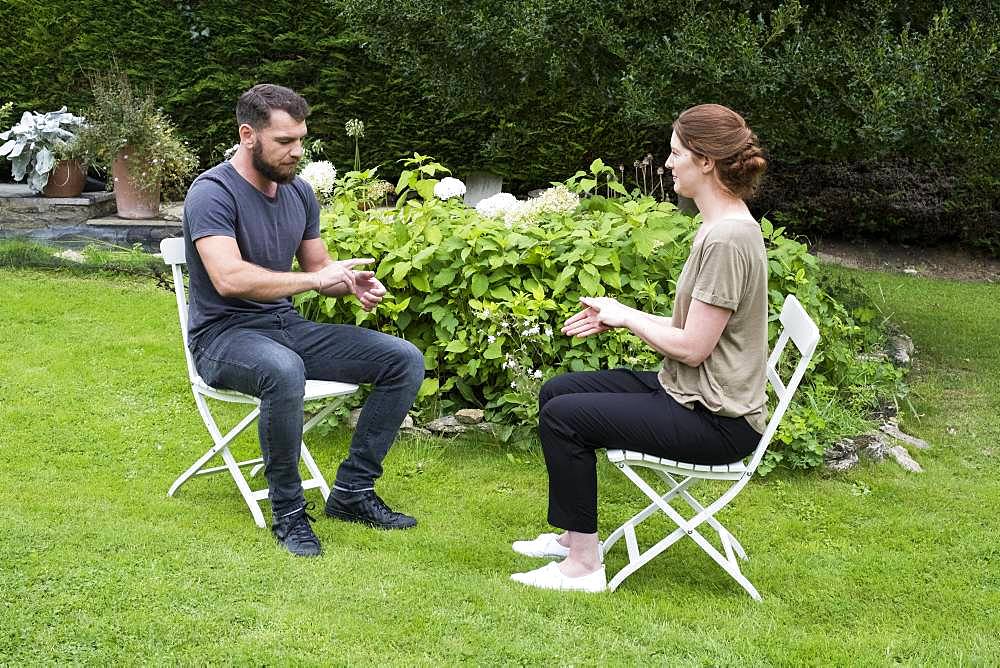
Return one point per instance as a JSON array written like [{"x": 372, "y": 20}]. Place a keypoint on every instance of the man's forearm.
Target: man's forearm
[{"x": 250, "y": 281}]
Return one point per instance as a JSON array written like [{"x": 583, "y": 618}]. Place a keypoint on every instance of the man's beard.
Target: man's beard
[{"x": 268, "y": 170}]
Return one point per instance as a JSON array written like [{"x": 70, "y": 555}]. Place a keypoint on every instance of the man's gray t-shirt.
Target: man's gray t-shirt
[{"x": 267, "y": 230}]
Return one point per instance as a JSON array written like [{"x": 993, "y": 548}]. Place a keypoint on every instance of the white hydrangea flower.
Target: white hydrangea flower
[
  {"x": 321, "y": 175},
  {"x": 559, "y": 199},
  {"x": 497, "y": 205},
  {"x": 449, "y": 187}
]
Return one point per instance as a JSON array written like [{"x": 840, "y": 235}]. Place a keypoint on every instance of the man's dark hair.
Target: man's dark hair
[{"x": 255, "y": 106}]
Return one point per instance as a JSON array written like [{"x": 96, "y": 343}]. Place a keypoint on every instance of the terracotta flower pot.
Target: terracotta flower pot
[
  {"x": 66, "y": 179},
  {"x": 133, "y": 203}
]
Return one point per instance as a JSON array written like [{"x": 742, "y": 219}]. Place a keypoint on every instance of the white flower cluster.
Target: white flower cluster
[
  {"x": 559, "y": 199},
  {"x": 497, "y": 205},
  {"x": 449, "y": 187},
  {"x": 321, "y": 175},
  {"x": 355, "y": 128}
]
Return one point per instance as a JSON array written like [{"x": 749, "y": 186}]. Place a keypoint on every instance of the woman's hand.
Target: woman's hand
[{"x": 601, "y": 314}]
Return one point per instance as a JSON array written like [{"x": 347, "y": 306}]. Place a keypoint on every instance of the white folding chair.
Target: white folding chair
[
  {"x": 681, "y": 476},
  {"x": 173, "y": 255}
]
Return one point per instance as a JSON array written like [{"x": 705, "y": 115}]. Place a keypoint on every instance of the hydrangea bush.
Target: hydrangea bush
[{"x": 484, "y": 297}]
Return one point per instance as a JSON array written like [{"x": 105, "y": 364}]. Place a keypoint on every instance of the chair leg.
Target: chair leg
[
  {"x": 245, "y": 491},
  {"x": 727, "y": 539},
  {"x": 728, "y": 563},
  {"x": 221, "y": 447},
  {"x": 647, "y": 511},
  {"x": 731, "y": 566},
  {"x": 316, "y": 480},
  {"x": 218, "y": 439}
]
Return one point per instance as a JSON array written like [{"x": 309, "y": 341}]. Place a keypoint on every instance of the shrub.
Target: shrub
[
  {"x": 527, "y": 89},
  {"x": 484, "y": 299}
]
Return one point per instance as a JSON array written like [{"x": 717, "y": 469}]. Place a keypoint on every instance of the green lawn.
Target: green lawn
[{"x": 98, "y": 566}]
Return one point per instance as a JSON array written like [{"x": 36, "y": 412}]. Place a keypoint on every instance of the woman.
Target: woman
[{"x": 706, "y": 405}]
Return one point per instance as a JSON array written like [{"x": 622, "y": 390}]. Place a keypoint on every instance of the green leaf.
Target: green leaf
[
  {"x": 433, "y": 234},
  {"x": 443, "y": 278},
  {"x": 404, "y": 180},
  {"x": 480, "y": 284},
  {"x": 421, "y": 257},
  {"x": 590, "y": 281},
  {"x": 420, "y": 282},
  {"x": 494, "y": 350},
  {"x": 428, "y": 388},
  {"x": 617, "y": 187},
  {"x": 502, "y": 292},
  {"x": 400, "y": 270},
  {"x": 425, "y": 188},
  {"x": 563, "y": 279},
  {"x": 456, "y": 346}
]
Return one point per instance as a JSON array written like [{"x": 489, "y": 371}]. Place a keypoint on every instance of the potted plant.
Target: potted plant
[
  {"x": 45, "y": 150},
  {"x": 137, "y": 142}
]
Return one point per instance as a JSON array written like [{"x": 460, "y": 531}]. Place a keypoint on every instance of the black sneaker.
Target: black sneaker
[
  {"x": 295, "y": 534},
  {"x": 366, "y": 508}
]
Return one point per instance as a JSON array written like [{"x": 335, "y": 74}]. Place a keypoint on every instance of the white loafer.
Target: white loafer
[
  {"x": 545, "y": 545},
  {"x": 550, "y": 577}
]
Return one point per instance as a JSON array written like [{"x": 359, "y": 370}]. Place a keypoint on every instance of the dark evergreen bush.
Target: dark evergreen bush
[{"x": 878, "y": 94}]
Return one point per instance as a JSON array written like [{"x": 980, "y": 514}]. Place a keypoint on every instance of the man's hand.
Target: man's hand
[
  {"x": 601, "y": 314},
  {"x": 338, "y": 278},
  {"x": 368, "y": 289}
]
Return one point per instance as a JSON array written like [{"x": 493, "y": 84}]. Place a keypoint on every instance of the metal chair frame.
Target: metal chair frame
[
  {"x": 798, "y": 328},
  {"x": 174, "y": 256}
]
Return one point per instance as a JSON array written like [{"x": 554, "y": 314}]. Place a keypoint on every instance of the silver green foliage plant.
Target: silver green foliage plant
[{"x": 35, "y": 144}]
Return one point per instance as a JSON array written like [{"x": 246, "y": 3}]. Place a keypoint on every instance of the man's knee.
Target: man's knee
[
  {"x": 283, "y": 373},
  {"x": 410, "y": 362}
]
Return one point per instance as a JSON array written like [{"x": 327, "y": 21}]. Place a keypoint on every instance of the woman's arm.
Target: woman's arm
[{"x": 690, "y": 345}]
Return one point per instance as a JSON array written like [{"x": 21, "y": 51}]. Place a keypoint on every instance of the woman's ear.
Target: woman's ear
[{"x": 707, "y": 164}]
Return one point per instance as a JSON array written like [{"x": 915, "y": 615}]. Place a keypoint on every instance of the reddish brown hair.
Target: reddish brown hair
[{"x": 719, "y": 133}]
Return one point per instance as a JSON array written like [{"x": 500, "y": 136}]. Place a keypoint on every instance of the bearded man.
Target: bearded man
[{"x": 244, "y": 221}]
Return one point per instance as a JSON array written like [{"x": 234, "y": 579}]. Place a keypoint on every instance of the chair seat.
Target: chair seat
[
  {"x": 315, "y": 389},
  {"x": 718, "y": 471}
]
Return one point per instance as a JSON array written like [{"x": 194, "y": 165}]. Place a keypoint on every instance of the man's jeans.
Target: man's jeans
[{"x": 271, "y": 355}]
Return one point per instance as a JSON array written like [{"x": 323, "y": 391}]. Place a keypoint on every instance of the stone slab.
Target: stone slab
[
  {"x": 77, "y": 221},
  {"x": 77, "y": 236},
  {"x": 22, "y": 210},
  {"x": 115, "y": 221}
]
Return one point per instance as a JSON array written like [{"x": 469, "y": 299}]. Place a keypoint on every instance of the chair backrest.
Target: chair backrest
[
  {"x": 798, "y": 328},
  {"x": 173, "y": 254}
]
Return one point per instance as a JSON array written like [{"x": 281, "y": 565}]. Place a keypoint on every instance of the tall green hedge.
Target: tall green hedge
[{"x": 533, "y": 89}]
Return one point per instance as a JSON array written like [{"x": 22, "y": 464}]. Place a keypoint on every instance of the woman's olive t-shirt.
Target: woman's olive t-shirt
[{"x": 727, "y": 267}]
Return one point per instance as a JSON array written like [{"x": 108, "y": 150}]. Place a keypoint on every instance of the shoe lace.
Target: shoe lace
[
  {"x": 298, "y": 527},
  {"x": 381, "y": 506}
]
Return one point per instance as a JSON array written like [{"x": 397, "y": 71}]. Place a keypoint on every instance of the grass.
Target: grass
[{"x": 98, "y": 566}]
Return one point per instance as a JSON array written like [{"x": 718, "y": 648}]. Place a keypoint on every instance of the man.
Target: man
[{"x": 244, "y": 220}]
